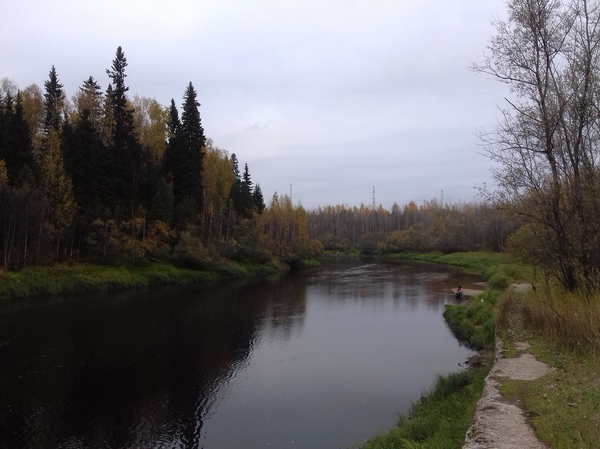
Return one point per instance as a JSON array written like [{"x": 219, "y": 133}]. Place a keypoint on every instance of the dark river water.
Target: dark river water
[{"x": 320, "y": 359}]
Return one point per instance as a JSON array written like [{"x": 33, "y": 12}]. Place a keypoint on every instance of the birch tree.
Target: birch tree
[{"x": 547, "y": 142}]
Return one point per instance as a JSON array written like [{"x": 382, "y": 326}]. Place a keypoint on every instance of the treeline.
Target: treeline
[
  {"x": 111, "y": 179},
  {"x": 429, "y": 227}
]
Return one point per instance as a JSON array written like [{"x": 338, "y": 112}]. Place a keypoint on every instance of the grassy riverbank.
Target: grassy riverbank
[
  {"x": 564, "y": 330},
  {"x": 499, "y": 270},
  {"x": 50, "y": 280},
  {"x": 441, "y": 418}
]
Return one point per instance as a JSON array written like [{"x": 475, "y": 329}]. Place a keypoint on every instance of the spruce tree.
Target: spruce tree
[
  {"x": 183, "y": 159},
  {"x": 192, "y": 141},
  {"x": 235, "y": 192},
  {"x": 171, "y": 152},
  {"x": 90, "y": 100},
  {"x": 247, "y": 201},
  {"x": 259, "y": 201},
  {"x": 83, "y": 148},
  {"x": 83, "y": 151},
  {"x": 54, "y": 98},
  {"x": 171, "y": 164},
  {"x": 55, "y": 181},
  {"x": 124, "y": 155},
  {"x": 241, "y": 196},
  {"x": 16, "y": 147}
]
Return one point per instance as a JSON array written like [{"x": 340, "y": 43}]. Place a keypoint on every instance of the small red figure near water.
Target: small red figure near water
[{"x": 459, "y": 294}]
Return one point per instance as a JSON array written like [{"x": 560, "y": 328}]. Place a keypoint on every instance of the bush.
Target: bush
[
  {"x": 332, "y": 243},
  {"x": 369, "y": 243},
  {"x": 189, "y": 252}
]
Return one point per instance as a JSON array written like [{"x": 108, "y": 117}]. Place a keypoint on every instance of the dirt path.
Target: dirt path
[{"x": 500, "y": 423}]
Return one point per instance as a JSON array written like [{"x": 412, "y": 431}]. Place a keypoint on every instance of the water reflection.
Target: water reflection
[
  {"x": 336, "y": 351},
  {"x": 132, "y": 370}
]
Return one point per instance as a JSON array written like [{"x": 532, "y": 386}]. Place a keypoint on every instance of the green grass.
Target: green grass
[
  {"x": 475, "y": 320},
  {"x": 309, "y": 263},
  {"x": 253, "y": 269},
  {"x": 51, "y": 280},
  {"x": 499, "y": 270}
]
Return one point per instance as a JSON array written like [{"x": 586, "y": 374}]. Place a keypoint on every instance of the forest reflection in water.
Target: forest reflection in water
[{"x": 324, "y": 358}]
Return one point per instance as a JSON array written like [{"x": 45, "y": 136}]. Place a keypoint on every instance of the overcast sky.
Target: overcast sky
[{"x": 332, "y": 96}]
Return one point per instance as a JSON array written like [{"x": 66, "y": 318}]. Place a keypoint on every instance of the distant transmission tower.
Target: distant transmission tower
[
  {"x": 291, "y": 194},
  {"x": 373, "y": 197}
]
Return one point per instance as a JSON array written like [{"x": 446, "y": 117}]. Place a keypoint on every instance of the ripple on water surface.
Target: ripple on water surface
[{"x": 324, "y": 358}]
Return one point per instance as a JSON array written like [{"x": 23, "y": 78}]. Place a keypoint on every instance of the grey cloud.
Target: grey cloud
[{"x": 332, "y": 97}]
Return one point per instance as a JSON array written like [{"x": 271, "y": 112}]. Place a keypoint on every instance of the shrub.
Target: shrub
[{"x": 189, "y": 252}]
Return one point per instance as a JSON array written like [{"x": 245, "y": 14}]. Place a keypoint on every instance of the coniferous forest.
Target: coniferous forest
[{"x": 108, "y": 178}]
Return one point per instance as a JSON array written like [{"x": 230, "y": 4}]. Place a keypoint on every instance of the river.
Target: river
[{"x": 317, "y": 359}]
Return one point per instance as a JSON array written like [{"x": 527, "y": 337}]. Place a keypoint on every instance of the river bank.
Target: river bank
[
  {"x": 56, "y": 279},
  {"x": 543, "y": 324}
]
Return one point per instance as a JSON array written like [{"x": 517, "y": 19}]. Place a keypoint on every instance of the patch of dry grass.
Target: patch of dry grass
[{"x": 571, "y": 320}]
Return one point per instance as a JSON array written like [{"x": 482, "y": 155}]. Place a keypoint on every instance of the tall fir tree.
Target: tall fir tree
[
  {"x": 171, "y": 157},
  {"x": 55, "y": 181},
  {"x": 164, "y": 202},
  {"x": 171, "y": 152},
  {"x": 241, "y": 194},
  {"x": 192, "y": 141},
  {"x": 84, "y": 149},
  {"x": 124, "y": 152},
  {"x": 247, "y": 203},
  {"x": 235, "y": 193},
  {"x": 184, "y": 160},
  {"x": 16, "y": 147},
  {"x": 90, "y": 99},
  {"x": 54, "y": 98},
  {"x": 259, "y": 200}
]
